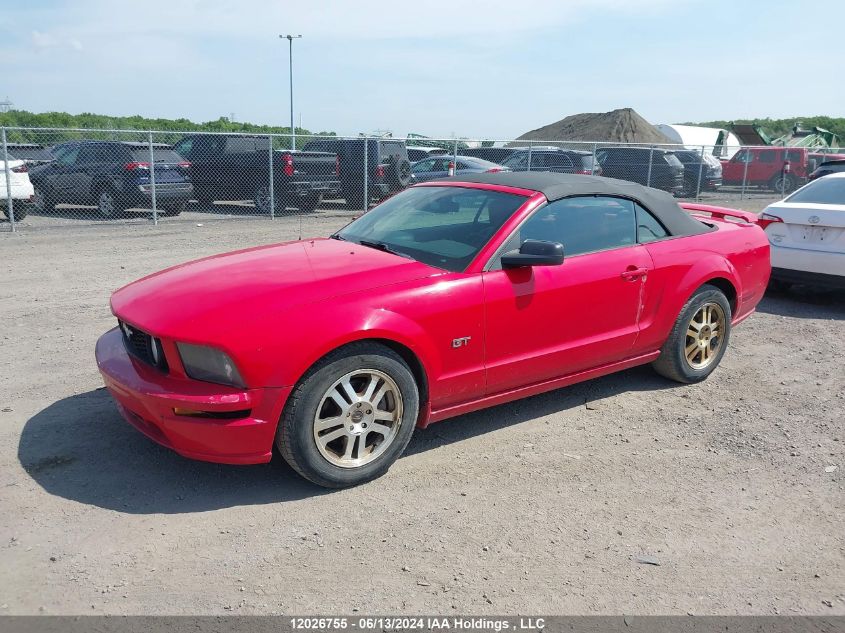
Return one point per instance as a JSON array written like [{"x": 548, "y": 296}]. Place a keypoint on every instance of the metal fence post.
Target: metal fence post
[
  {"x": 455, "y": 157},
  {"x": 366, "y": 174},
  {"x": 10, "y": 208},
  {"x": 272, "y": 178},
  {"x": 529, "y": 155},
  {"x": 650, "y": 160},
  {"x": 595, "y": 160},
  {"x": 153, "y": 177},
  {"x": 744, "y": 173},
  {"x": 700, "y": 170}
]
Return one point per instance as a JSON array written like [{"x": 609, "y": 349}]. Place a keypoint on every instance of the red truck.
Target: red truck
[{"x": 776, "y": 168}]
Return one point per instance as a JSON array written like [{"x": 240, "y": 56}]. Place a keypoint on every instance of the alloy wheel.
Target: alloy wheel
[
  {"x": 105, "y": 204},
  {"x": 705, "y": 333},
  {"x": 358, "y": 418}
]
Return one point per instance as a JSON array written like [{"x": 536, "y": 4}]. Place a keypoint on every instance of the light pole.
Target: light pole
[{"x": 290, "y": 39}]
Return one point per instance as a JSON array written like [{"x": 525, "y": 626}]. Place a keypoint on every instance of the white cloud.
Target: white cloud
[{"x": 43, "y": 40}]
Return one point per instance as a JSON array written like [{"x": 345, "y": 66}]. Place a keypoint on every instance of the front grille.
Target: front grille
[{"x": 143, "y": 346}]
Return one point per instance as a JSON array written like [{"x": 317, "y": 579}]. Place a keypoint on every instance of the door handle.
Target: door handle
[{"x": 632, "y": 274}]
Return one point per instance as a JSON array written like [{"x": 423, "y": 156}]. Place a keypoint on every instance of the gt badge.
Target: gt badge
[{"x": 461, "y": 342}]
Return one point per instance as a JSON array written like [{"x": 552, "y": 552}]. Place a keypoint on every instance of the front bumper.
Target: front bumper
[{"x": 147, "y": 398}]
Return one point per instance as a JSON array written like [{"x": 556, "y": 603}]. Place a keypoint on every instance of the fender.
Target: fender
[
  {"x": 325, "y": 334},
  {"x": 707, "y": 266}
]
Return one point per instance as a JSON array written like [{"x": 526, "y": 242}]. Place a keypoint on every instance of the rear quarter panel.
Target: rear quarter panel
[{"x": 735, "y": 252}]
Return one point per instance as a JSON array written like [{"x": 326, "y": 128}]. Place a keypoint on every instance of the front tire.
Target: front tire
[
  {"x": 108, "y": 204},
  {"x": 698, "y": 339},
  {"x": 172, "y": 210},
  {"x": 350, "y": 417},
  {"x": 20, "y": 209}
]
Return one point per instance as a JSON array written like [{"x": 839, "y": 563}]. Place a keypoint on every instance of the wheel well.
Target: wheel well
[
  {"x": 412, "y": 361},
  {"x": 404, "y": 352},
  {"x": 727, "y": 288}
]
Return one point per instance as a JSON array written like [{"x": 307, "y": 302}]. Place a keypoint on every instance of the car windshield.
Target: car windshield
[
  {"x": 161, "y": 154},
  {"x": 445, "y": 227},
  {"x": 822, "y": 191}
]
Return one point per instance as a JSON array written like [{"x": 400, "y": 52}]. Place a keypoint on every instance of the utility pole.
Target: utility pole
[{"x": 290, "y": 39}]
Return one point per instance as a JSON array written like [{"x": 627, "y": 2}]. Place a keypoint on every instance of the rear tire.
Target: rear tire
[
  {"x": 42, "y": 201},
  {"x": 783, "y": 181},
  {"x": 203, "y": 197},
  {"x": 698, "y": 339},
  {"x": 172, "y": 210},
  {"x": 309, "y": 203},
  {"x": 21, "y": 210},
  {"x": 338, "y": 437}
]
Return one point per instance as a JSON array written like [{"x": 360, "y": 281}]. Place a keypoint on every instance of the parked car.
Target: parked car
[
  {"x": 418, "y": 152},
  {"x": 30, "y": 153},
  {"x": 114, "y": 175},
  {"x": 806, "y": 231},
  {"x": 447, "y": 298},
  {"x": 20, "y": 186},
  {"x": 700, "y": 174},
  {"x": 828, "y": 167},
  {"x": 388, "y": 167},
  {"x": 653, "y": 167},
  {"x": 564, "y": 161},
  {"x": 438, "y": 167},
  {"x": 493, "y": 154},
  {"x": 237, "y": 167},
  {"x": 765, "y": 167}
]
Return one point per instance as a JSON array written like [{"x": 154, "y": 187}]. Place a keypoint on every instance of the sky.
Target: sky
[{"x": 491, "y": 69}]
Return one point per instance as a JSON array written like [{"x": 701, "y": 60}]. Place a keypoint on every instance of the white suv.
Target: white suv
[{"x": 21, "y": 187}]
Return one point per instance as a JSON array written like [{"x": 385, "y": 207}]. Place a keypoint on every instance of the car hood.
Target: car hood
[{"x": 202, "y": 300}]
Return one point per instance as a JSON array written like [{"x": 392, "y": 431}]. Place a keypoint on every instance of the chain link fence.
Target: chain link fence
[{"x": 72, "y": 176}]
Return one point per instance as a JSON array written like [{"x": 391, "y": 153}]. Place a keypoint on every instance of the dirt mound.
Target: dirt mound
[{"x": 619, "y": 126}]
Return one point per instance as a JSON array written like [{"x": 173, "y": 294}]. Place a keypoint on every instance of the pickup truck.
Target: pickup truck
[
  {"x": 237, "y": 167},
  {"x": 765, "y": 167}
]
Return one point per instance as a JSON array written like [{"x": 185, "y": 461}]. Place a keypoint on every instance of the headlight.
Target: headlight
[{"x": 209, "y": 364}]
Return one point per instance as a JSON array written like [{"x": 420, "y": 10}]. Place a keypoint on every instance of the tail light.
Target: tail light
[
  {"x": 287, "y": 164},
  {"x": 584, "y": 172},
  {"x": 185, "y": 164},
  {"x": 766, "y": 219},
  {"x": 493, "y": 170},
  {"x": 451, "y": 168},
  {"x": 135, "y": 165},
  {"x": 337, "y": 165},
  {"x": 379, "y": 171},
  {"x": 20, "y": 169}
]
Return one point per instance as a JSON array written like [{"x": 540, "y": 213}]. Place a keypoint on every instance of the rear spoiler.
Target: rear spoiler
[{"x": 720, "y": 213}]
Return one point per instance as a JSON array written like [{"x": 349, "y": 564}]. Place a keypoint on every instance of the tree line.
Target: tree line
[{"x": 125, "y": 124}]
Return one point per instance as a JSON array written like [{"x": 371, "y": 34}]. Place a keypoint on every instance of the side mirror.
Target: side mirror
[{"x": 534, "y": 253}]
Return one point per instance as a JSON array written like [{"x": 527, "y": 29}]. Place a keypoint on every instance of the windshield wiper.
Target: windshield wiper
[
  {"x": 338, "y": 236},
  {"x": 381, "y": 246}
]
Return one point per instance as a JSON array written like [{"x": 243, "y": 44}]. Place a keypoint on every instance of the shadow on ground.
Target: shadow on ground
[
  {"x": 80, "y": 448},
  {"x": 804, "y": 302}
]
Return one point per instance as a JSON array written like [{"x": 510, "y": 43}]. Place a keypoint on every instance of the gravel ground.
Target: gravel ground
[{"x": 547, "y": 505}]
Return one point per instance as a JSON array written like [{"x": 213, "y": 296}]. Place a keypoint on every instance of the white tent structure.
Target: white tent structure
[{"x": 719, "y": 142}]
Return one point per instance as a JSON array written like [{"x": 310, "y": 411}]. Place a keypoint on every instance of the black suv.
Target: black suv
[
  {"x": 699, "y": 175},
  {"x": 665, "y": 172},
  {"x": 565, "y": 161},
  {"x": 389, "y": 169},
  {"x": 114, "y": 175},
  {"x": 237, "y": 167},
  {"x": 828, "y": 167},
  {"x": 493, "y": 154}
]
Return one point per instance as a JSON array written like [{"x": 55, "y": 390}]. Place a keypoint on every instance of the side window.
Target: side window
[
  {"x": 794, "y": 156},
  {"x": 68, "y": 156},
  {"x": 239, "y": 145},
  {"x": 423, "y": 165},
  {"x": 184, "y": 147},
  {"x": 560, "y": 160},
  {"x": 90, "y": 154},
  {"x": 583, "y": 224},
  {"x": 742, "y": 156},
  {"x": 649, "y": 228},
  {"x": 766, "y": 157}
]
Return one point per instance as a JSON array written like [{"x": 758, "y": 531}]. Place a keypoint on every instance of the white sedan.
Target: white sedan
[
  {"x": 20, "y": 186},
  {"x": 807, "y": 233}
]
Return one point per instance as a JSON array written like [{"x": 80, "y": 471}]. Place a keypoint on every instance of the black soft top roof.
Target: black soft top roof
[{"x": 556, "y": 186}]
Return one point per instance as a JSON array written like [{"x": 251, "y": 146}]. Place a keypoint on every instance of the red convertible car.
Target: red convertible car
[{"x": 449, "y": 297}]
